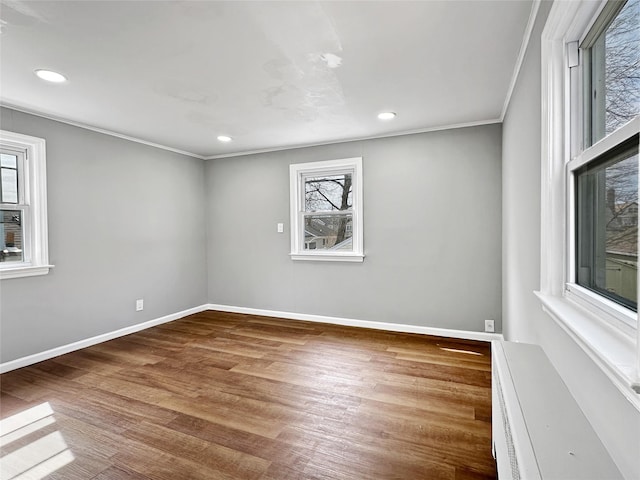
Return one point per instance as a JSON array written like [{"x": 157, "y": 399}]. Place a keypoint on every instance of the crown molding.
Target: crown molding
[
  {"x": 99, "y": 130},
  {"x": 533, "y": 14},
  {"x": 249, "y": 152},
  {"x": 358, "y": 139}
]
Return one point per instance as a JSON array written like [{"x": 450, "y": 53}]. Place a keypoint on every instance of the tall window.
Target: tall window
[
  {"x": 23, "y": 206},
  {"x": 326, "y": 210},
  {"x": 591, "y": 119},
  {"x": 605, "y": 170}
]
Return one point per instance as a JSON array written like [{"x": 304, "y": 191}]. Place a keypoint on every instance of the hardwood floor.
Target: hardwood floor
[{"x": 227, "y": 396}]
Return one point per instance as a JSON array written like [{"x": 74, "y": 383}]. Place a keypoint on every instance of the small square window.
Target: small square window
[{"x": 326, "y": 210}]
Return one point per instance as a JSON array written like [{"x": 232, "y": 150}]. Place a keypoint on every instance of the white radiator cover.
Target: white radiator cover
[{"x": 538, "y": 429}]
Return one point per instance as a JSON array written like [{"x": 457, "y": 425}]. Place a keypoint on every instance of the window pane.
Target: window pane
[
  {"x": 8, "y": 160},
  {"x": 9, "y": 185},
  {"x": 607, "y": 232},
  {"x": 328, "y": 232},
  {"x": 11, "y": 245},
  {"x": 615, "y": 73},
  {"x": 327, "y": 193}
]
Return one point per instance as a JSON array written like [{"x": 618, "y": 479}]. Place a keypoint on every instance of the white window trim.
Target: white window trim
[
  {"x": 35, "y": 195},
  {"x": 604, "y": 331},
  {"x": 297, "y": 235}
]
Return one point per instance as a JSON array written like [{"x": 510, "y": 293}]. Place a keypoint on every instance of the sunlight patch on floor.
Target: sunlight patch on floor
[
  {"x": 455, "y": 350},
  {"x": 11, "y": 437},
  {"x": 41, "y": 456}
]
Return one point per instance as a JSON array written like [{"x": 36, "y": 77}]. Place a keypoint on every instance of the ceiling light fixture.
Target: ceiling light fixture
[
  {"x": 224, "y": 138},
  {"x": 386, "y": 115},
  {"x": 50, "y": 76}
]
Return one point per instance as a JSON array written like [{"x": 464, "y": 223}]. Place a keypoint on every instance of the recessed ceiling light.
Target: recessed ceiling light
[
  {"x": 50, "y": 76},
  {"x": 386, "y": 115},
  {"x": 224, "y": 138}
]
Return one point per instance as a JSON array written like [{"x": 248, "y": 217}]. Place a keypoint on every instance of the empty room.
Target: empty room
[{"x": 282, "y": 240}]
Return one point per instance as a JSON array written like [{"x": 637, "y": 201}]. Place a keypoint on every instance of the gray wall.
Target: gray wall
[
  {"x": 126, "y": 221},
  {"x": 615, "y": 420},
  {"x": 432, "y": 233}
]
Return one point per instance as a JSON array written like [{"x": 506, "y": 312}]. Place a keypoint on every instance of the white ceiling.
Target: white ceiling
[{"x": 270, "y": 74}]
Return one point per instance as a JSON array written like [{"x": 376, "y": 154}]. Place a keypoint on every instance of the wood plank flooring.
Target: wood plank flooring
[{"x": 228, "y": 396}]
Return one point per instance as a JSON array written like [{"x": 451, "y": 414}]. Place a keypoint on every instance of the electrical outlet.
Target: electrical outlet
[
  {"x": 281, "y": 228},
  {"x": 488, "y": 326},
  {"x": 139, "y": 304}
]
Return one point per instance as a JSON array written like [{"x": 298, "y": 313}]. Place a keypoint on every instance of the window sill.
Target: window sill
[
  {"x": 328, "y": 257},
  {"x": 24, "y": 271},
  {"x": 613, "y": 351}
]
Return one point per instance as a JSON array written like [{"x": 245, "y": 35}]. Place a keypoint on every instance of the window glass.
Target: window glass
[
  {"x": 328, "y": 232},
  {"x": 9, "y": 187},
  {"x": 8, "y": 178},
  {"x": 11, "y": 244},
  {"x": 327, "y": 193},
  {"x": 607, "y": 228},
  {"x": 615, "y": 73},
  {"x": 8, "y": 160}
]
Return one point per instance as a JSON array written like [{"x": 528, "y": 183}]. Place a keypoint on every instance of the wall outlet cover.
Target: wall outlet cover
[{"x": 489, "y": 326}]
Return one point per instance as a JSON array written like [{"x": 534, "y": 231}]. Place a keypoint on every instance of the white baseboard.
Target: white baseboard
[
  {"x": 54, "y": 352},
  {"x": 392, "y": 327}
]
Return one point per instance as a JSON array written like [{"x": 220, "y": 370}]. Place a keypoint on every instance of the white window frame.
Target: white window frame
[
  {"x": 297, "y": 173},
  {"x": 606, "y": 331},
  {"x": 32, "y": 202}
]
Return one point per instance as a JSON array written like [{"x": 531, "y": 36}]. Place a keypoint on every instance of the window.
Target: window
[
  {"x": 589, "y": 248},
  {"x": 326, "y": 210},
  {"x": 607, "y": 226},
  {"x": 605, "y": 168},
  {"x": 23, "y": 207},
  {"x": 611, "y": 69}
]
